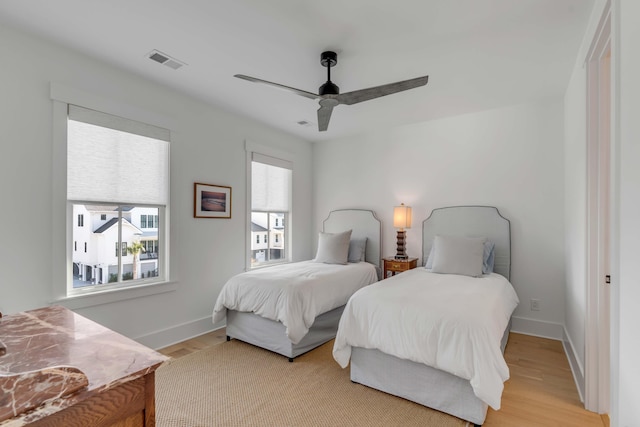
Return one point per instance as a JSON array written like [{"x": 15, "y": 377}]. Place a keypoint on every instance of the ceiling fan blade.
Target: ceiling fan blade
[
  {"x": 324, "y": 114},
  {"x": 306, "y": 94},
  {"x": 356, "y": 96}
]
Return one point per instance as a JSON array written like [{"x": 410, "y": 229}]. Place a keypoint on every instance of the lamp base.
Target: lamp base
[{"x": 400, "y": 247}]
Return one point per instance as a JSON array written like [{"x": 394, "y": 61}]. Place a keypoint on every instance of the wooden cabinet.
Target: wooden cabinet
[
  {"x": 394, "y": 266},
  {"x": 119, "y": 373}
]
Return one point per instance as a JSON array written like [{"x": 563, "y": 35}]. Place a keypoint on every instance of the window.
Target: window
[
  {"x": 117, "y": 177},
  {"x": 257, "y": 238},
  {"x": 75, "y": 246},
  {"x": 271, "y": 180},
  {"x": 149, "y": 221},
  {"x": 85, "y": 247}
]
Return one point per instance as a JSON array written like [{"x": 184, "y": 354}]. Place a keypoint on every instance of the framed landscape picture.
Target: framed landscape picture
[{"x": 211, "y": 201}]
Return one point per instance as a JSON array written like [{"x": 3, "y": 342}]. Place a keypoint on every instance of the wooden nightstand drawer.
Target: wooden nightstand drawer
[
  {"x": 394, "y": 266},
  {"x": 398, "y": 266}
]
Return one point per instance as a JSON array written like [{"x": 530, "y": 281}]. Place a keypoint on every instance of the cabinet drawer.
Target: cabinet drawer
[{"x": 399, "y": 266}]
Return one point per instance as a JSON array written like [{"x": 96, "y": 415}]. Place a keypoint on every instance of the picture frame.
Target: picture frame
[{"x": 211, "y": 201}]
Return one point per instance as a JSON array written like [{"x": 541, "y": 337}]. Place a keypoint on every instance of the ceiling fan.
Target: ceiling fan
[{"x": 329, "y": 95}]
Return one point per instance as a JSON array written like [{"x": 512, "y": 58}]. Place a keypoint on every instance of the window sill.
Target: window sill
[{"x": 114, "y": 295}]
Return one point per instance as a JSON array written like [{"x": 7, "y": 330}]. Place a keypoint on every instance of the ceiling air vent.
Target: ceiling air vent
[{"x": 165, "y": 59}]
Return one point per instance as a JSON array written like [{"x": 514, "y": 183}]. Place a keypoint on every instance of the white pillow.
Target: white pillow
[
  {"x": 458, "y": 255},
  {"x": 333, "y": 248},
  {"x": 488, "y": 257},
  {"x": 357, "y": 249}
]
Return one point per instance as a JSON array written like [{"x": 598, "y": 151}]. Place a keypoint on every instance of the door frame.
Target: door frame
[{"x": 599, "y": 209}]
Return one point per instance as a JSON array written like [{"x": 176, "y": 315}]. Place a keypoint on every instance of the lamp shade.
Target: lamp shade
[{"x": 402, "y": 216}]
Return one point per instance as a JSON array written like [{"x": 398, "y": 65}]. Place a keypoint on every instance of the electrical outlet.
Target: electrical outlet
[{"x": 535, "y": 304}]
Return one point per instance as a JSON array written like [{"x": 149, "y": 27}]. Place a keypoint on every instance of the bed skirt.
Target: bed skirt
[
  {"x": 419, "y": 383},
  {"x": 271, "y": 335}
]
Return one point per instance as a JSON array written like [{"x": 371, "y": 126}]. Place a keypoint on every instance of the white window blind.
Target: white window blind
[
  {"x": 270, "y": 183},
  {"x": 113, "y": 159}
]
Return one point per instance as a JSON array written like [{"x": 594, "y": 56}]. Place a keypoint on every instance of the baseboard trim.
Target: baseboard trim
[
  {"x": 537, "y": 328},
  {"x": 175, "y": 334},
  {"x": 574, "y": 364}
]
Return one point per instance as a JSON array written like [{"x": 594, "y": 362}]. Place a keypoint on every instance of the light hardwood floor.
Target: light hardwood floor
[{"x": 540, "y": 392}]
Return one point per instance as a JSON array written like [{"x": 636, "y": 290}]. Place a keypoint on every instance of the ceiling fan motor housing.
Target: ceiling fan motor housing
[
  {"x": 329, "y": 88},
  {"x": 329, "y": 59}
]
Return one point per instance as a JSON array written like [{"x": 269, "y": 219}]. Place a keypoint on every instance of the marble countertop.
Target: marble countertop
[{"x": 60, "y": 344}]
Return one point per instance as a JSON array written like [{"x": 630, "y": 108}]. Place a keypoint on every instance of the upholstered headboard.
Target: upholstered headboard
[
  {"x": 363, "y": 223},
  {"x": 471, "y": 221}
]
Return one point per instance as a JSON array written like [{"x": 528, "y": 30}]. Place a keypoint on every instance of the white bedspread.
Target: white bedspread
[
  {"x": 293, "y": 294},
  {"x": 450, "y": 322}
]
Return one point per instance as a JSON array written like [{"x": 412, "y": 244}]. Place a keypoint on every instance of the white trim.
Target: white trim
[
  {"x": 184, "y": 331},
  {"x": 616, "y": 213},
  {"x": 61, "y": 216},
  {"x": 250, "y": 148},
  {"x": 598, "y": 252},
  {"x": 248, "y": 235},
  {"x": 574, "y": 363},
  {"x": 61, "y": 221},
  {"x": 71, "y": 95},
  {"x": 537, "y": 328},
  {"x": 100, "y": 297}
]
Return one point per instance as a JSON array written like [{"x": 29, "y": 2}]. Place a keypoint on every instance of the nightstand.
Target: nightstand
[{"x": 395, "y": 266}]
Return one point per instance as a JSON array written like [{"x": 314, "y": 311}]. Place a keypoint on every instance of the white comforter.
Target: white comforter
[
  {"x": 294, "y": 294},
  {"x": 450, "y": 322}
]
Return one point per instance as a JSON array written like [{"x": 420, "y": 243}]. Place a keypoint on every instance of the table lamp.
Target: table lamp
[{"x": 401, "y": 220}]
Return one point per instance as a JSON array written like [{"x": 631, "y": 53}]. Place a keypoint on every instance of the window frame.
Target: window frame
[
  {"x": 287, "y": 239},
  {"x": 62, "y": 219}
]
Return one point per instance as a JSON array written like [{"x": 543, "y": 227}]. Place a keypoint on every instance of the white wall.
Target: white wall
[
  {"x": 511, "y": 158},
  {"x": 208, "y": 146}
]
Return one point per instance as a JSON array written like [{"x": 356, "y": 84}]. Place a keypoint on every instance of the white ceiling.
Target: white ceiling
[{"x": 479, "y": 54}]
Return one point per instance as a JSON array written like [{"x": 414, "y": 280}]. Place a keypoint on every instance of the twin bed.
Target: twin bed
[
  {"x": 293, "y": 308},
  {"x": 433, "y": 336},
  {"x": 437, "y": 339}
]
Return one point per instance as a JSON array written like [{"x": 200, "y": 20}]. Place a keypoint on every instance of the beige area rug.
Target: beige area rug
[{"x": 237, "y": 384}]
